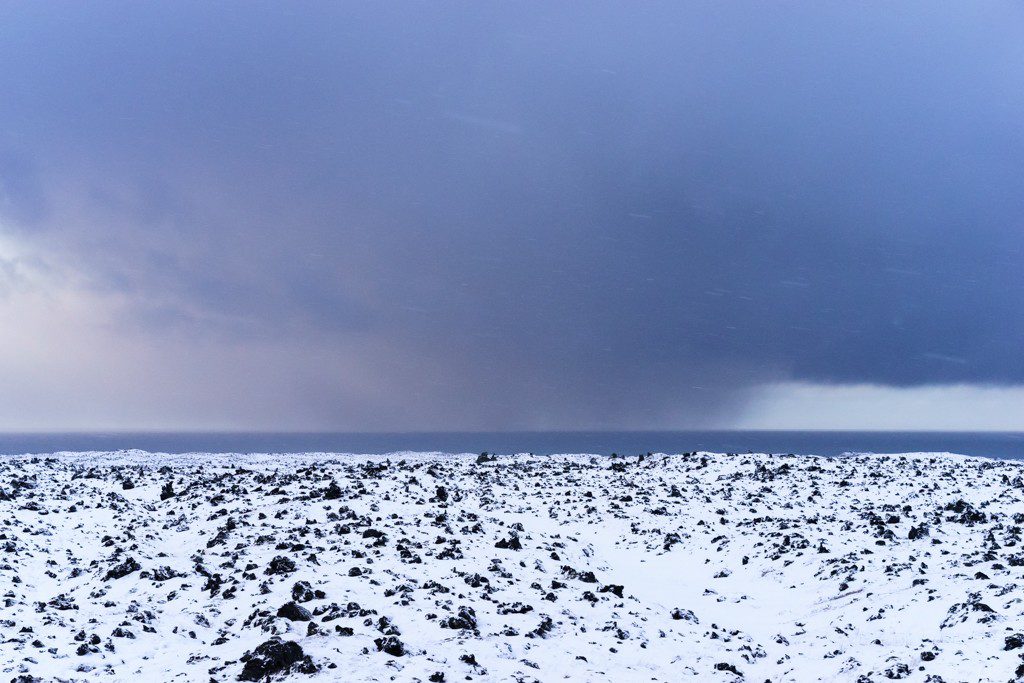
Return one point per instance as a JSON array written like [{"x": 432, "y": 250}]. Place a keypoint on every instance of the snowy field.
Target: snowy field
[{"x": 132, "y": 566}]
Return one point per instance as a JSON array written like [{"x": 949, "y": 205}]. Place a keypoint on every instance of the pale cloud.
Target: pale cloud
[
  {"x": 70, "y": 360},
  {"x": 950, "y": 407}
]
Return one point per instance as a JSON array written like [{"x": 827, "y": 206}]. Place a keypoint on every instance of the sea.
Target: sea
[{"x": 1004, "y": 445}]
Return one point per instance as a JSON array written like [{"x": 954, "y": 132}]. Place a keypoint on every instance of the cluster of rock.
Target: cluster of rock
[{"x": 434, "y": 567}]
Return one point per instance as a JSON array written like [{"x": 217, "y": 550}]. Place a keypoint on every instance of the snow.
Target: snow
[{"x": 780, "y": 568}]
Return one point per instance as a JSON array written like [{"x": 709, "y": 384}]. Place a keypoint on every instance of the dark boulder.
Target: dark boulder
[
  {"x": 390, "y": 645},
  {"x": 685, "y": 615},
  {"x": 164, "y": 574},
  {"x": 919, "y": 531},
  {"x": 123, "y": 569},
  {"x": 465, "y": 619},
  {"x": 303, "y": 592},
  {"x": 511, "y": 543},
  {"x": 612, "y": 588},
  {"x": 333, "y": 491},
  {"x": 280, "y": 565},
  {"x": 270, "y": 657},
  {"x": 294, "y": 612}
]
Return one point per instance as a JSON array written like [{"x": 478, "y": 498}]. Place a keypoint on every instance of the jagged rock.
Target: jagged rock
[
  {"x": 270, "y": 657},
  {"x": 164, "y": 574},
  {"x": 280, "y": 565},
  {"x": 122, "y": 570},
  {"x": 303, "y": 592},
  {"x": 464, "y": 619},
  {"x": 293, "y": 612},
  {"x": 685, "y": 615},
  {"x": 512, "y": 543},
  {"x": 390, "y": 645},
  {"x": 333, "y": 491}
]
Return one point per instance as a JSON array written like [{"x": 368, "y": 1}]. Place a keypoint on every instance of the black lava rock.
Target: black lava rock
[
  {"x": 465, "y": 620},
  {"x": 303, "y": 592},
  {"x": 512, "y": 543},
  {"x": 333, "y": 491},
  {"x": 123, "y": 569},
  {"x": 294, "y": 612},
  {"x": 270, "y": 657},
  {"x": 280, "y": 565},
  {"x": 164, "y": 574},
  {"x": 685, "y": 615},
  {"x": 391, "y": 645},
  {"x": 612, "y": 588}
]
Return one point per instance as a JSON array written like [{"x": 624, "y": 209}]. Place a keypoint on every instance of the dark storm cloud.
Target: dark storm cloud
[{"x": 561, "y": 214}]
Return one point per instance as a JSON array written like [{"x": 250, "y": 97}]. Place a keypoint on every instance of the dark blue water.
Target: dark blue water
[{"x": 990, "y": 444}]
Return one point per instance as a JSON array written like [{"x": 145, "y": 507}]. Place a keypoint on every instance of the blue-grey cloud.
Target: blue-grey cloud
[{"x": 611, "y": 213}]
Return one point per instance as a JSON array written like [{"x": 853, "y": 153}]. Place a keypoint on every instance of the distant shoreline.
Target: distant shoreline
[
  {"x": 1002, "y": 445},
  {"x": 141, "y": 458}
]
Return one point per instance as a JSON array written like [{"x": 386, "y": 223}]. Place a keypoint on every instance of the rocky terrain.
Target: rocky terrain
[{"x": 132, "y": 566}]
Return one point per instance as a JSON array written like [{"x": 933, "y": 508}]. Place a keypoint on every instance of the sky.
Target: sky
[{"x": 533, "y": 215}]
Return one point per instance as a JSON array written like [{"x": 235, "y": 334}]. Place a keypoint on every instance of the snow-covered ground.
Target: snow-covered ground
[{"x": 437, "y": 567}]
